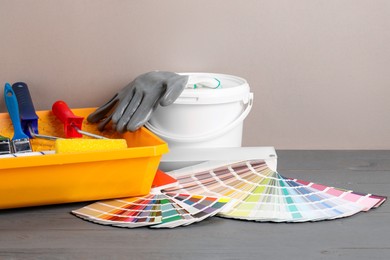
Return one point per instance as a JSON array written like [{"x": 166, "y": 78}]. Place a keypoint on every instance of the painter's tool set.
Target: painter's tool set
[
  {"x": 208, "y": 173},
  {"x": 209, "y": 165},
  {"x": 35, "y": 171}
]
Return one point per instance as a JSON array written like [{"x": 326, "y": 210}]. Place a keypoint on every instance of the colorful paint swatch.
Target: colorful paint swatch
[
  {"x": 368, "y": 200},
  {"x": 127, "y": 212},
  {"x": 247, "y": 190},
  {"x": 260, "y": 194},
  {"x": 156, "y": 209}
]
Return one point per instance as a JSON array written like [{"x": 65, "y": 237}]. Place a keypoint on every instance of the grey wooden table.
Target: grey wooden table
[{"x": 51, "y": 232}]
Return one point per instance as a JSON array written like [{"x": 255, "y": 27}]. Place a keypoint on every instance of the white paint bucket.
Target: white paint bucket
[{"x": 208, "y": 114}]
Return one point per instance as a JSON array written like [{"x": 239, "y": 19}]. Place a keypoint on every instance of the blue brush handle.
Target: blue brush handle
[
  {"x": 28, "y": 117},
  {"x": 13, "y": 110}
]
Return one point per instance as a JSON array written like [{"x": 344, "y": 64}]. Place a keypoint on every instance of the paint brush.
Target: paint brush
[
  {"x": 5, "y": 145},
  {"x": 72, "y": 123},
  {"x": 20, "y": 141}
]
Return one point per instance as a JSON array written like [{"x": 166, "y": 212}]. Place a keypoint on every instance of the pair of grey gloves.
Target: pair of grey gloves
[{"x": 133, "y": 105}]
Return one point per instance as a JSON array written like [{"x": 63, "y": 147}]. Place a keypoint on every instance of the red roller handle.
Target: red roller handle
[{"x": 71, "y": 121}]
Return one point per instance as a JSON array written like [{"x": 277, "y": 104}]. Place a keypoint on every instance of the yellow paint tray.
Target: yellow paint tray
[{"x": 83, "y": 176}]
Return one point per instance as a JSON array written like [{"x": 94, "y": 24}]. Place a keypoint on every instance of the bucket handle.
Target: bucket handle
[{"x": 207, "y": 136}]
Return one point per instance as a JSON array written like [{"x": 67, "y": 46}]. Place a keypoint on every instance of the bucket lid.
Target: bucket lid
[{"x": 211, "y": 88}]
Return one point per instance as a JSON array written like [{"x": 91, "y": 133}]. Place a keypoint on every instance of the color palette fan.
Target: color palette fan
[
  {"x": 246, "y": 190},
  {"x": 156, "y": 209},
  {"x": 260, "y": 194}
]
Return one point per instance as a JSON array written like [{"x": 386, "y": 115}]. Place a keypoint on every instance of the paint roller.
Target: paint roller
[
  {"x": 72, "y": 126},
  {"x": 72, "y": 123}
]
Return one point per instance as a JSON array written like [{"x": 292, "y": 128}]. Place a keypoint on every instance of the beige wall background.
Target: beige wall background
[{"x": 319, "y": 69}]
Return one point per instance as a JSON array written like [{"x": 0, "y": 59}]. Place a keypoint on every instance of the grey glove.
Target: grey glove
[{"x": 133, "y": 105}]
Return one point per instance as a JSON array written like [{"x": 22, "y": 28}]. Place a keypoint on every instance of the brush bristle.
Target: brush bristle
[
  {"x": 22, "y": 145},
  {"x": 5, "y": 145},
  {"x": 89, "y": 145}
]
